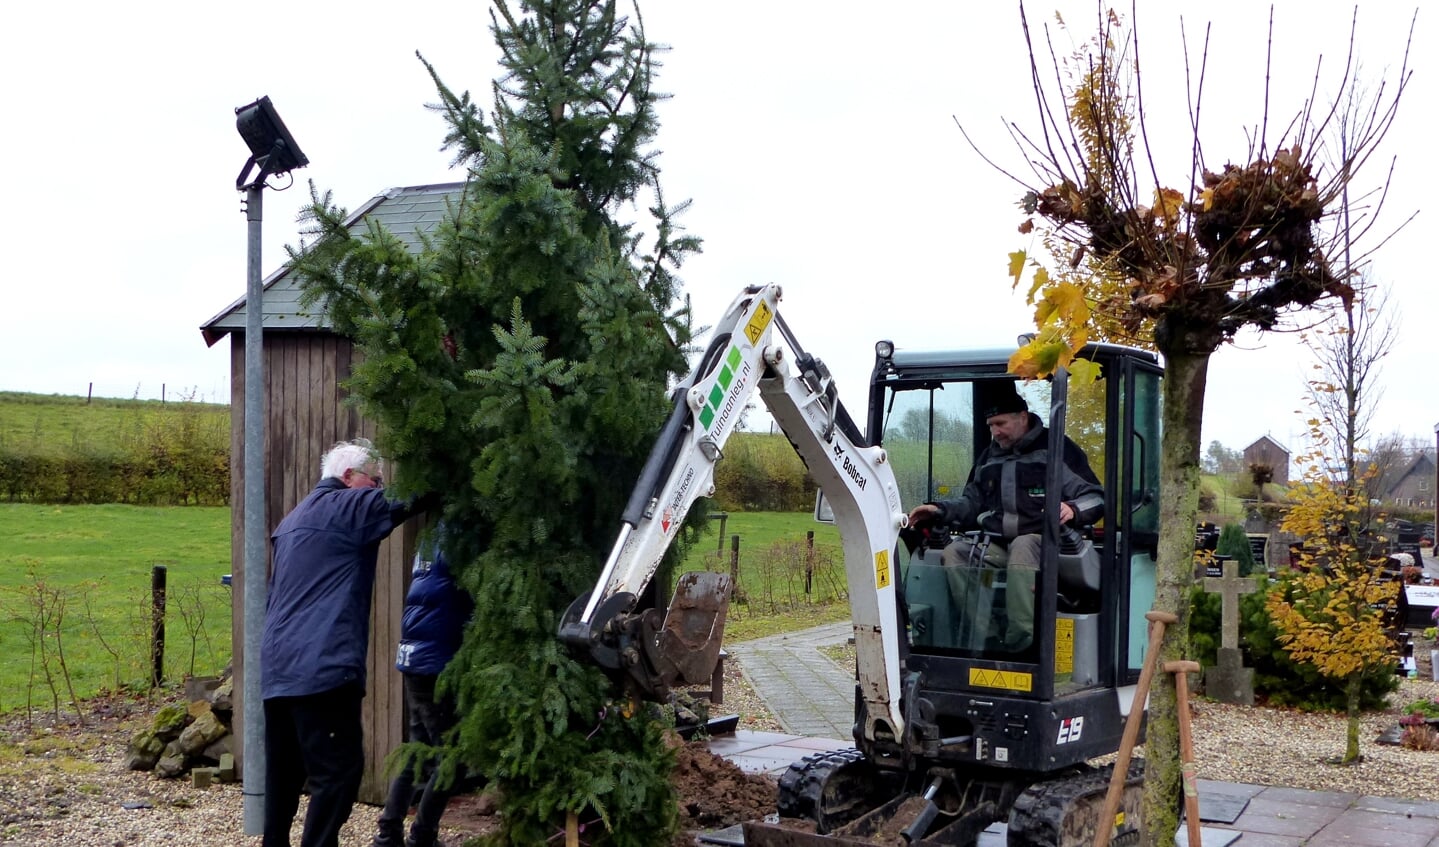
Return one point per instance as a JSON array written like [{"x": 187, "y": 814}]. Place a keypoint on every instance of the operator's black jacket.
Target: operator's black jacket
[{"x": 1005, "y": 491}]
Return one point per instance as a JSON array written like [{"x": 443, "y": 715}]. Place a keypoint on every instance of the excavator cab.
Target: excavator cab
[
  {"x": 1095, "y": 582},
  {"x": 998, "y": 732}
]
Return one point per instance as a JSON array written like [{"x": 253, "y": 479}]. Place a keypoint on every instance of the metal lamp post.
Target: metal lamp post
[{"x": 274, "y": 151}]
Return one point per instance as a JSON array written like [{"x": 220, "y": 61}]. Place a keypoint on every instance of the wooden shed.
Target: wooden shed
[{"x": 305, "y": 413}]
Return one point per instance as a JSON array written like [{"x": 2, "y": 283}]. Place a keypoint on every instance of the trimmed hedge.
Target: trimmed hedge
[
  {"x": 762, "y": 473},
  {"x": 173, "y": 455}
]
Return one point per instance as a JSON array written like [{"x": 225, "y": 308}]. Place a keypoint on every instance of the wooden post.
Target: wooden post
[
  {"x": 1104, "y": 829},
  {"x": 723, "y": 519},
  {"x": 808, "y": 561},
  {"x": 734, "y": 565},
  {"x": 1181, "y": 671},
  {"x": 157, "y": 624}
]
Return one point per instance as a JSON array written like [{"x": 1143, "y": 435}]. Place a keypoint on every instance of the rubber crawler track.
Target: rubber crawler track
[
  {"x": 801, "y": 788},
  {"x": 1041, "y": 812}
]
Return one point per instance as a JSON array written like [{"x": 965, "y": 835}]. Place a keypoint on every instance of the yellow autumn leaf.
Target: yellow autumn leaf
[
  {"x": 1167, "y": 205},
  {"x": 1016, "y": 266},
  {"x": 1022, "y": 362},
  {"x": 1041, "y": 279},
  {"x": 1069, "y": 301},
  {"x": 1083, "y": 372},
  {"x": 1049, "y": 356}
]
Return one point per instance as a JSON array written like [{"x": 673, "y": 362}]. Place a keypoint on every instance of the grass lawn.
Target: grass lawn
[
  {"x": 773, "y": 572},
  {"x": 94, "y": 564},
  {"x": 92, "y": 567}
]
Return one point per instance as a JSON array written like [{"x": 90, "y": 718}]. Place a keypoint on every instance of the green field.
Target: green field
[
  {"x": 97, "y": 561},
  {"x": 86, "y": 572},
  {"x": 772, "y": 572},
  {"x": 51, "y": 423}
]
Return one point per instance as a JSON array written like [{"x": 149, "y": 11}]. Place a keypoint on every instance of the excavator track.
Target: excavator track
[
  {"x": 832, "y": 788},
  {"x": 1064, "y": 812}
]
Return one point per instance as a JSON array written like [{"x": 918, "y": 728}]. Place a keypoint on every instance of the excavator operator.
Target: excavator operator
[{"x": 1004, "y": 500}]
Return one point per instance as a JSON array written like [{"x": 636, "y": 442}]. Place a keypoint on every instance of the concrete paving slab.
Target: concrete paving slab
[
  {"x": 1417, "y": 808},
  {"x": 1285, "y": 817},
  {"x": 1280, "y": 794},
  {"x": 768, "y": 760},
  {"x": 1224, "y": 802},
  {"x": 1208, "y": 836},
  {"x": 1378, "y": 829}
]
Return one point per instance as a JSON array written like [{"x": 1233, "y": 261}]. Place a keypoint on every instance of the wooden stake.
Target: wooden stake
[
  {"x": 1181, "y": 671},
  {"x": 1104, "y": 830}
]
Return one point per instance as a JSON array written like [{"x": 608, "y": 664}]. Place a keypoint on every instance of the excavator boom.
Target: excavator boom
[{"x": 752, "y": 352}]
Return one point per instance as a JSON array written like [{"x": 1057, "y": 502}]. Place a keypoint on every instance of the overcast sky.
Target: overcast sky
[{"x": 817, "y": 141}]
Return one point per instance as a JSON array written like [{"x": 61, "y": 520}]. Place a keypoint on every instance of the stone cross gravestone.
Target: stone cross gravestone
[{"x": 1230, "y": 681}]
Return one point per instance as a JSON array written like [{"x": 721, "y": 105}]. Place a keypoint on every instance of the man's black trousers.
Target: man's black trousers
[{"x": 316, "y": 737}]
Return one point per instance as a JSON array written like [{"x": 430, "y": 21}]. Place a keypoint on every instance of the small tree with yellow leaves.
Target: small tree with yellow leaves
[{"x": 1330, "y": 610}]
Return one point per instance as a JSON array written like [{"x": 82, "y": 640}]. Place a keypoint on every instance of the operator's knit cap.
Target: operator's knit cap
[{"x": 998, "y": 397}]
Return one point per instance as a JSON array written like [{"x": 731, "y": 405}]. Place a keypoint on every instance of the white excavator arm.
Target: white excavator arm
[{"x": 752, "y": 351}]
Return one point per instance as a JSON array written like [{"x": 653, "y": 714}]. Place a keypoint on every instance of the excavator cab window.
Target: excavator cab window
[{"x": 923, "y": 410}]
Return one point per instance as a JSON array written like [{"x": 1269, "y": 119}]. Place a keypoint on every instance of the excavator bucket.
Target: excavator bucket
[{"x": 689, "y": 641}]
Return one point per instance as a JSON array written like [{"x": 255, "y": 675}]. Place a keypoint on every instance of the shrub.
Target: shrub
[
  {"x": 1425, "y": 708},
  {"x": 762, "y": 473},
  {"x": 1234, "y": 543},
  {"x": 1277, "y": 678},
  {"x": 177, "y": 454}
]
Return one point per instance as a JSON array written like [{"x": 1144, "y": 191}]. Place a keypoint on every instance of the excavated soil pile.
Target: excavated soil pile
[{"x": 715, "y": 793}]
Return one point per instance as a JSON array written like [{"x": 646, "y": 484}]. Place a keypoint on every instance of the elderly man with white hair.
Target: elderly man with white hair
[{"x": 317, "y": 629}]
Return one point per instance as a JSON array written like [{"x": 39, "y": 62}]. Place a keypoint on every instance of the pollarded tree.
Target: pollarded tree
[
  {"x": 1181, "y": 269},
  {"x": 518, "y": 366}
]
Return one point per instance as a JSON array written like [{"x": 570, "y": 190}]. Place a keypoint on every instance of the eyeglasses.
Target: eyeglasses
[{"x": 377, "y": 479}]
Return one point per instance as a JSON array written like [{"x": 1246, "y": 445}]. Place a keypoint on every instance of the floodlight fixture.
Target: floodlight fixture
[{"x": 272, "y": 147}]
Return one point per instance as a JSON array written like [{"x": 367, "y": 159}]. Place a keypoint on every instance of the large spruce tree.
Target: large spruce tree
[{"x": 518, "y": 367}]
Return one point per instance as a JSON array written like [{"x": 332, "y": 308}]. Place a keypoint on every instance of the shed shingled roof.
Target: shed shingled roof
[{"x": 406, "y": 212}]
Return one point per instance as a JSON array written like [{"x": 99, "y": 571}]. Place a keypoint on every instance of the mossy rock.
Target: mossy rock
[{"x": 170, "y": 720}]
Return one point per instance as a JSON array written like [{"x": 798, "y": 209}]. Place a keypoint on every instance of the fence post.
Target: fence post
[
  {"x": 734, "y": 566},
  {"x": 808, "y": 561},
  {"x": 723, "y": 519},
  {"x": 157, "y": 624}
]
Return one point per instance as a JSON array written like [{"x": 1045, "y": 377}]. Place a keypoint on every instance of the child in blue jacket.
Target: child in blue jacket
[{"x": 436, "y": 609}]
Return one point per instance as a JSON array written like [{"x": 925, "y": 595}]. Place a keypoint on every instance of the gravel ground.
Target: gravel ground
[{"x": 63, "y": 785}]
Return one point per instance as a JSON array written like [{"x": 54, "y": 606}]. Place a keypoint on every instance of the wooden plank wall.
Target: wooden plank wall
[{"x": 305, "y": 415}]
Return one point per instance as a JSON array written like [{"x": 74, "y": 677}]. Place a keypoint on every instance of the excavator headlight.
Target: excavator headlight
[
  {"x": 883, "y": 349},
  {"x": 710, "y": 450}
]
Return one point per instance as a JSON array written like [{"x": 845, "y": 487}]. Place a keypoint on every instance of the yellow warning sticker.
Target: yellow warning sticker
[
  {"x": 758, "y": 323},
  {"x": 1064, "y": 645},
  {"x": 881, "y": 569},
  {"x": 1009, "y": 680}
]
